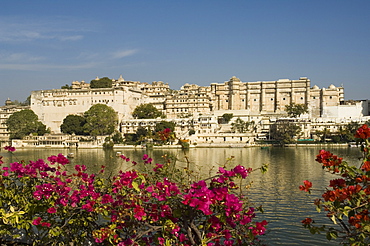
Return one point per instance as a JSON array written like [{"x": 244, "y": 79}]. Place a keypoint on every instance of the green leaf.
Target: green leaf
[
  {"x": 333, "y": 234},
  {"x": 333, "y": 219},
  {"x": 136, "y": 186}
]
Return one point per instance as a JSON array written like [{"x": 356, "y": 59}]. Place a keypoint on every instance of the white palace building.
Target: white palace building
[{"x": 261, "y": 102}]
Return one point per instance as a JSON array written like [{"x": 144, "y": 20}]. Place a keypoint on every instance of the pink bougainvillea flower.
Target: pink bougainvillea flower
[
  {"x": 36, "y": 221},
  {"x": 52, "y": 210},
  {"x": 260, "y": 228},
  {"x": 45, "y": 224},
  {"x": 161, "y": 240},
  {"x": 241, "y": 170},
  {"x": 9, "y": 148},
  {"x": 107, "y": 199},
  {"x": 157, "y": 167},
  {"x": 139, "y": 212},
  {"x": 225, "y": 172},
  {"x": 60, "y": 158}
]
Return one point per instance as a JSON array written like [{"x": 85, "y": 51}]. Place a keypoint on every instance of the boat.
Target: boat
[
  {"x": 70, "y": 155},
  {"x": 352, "y": 144}
]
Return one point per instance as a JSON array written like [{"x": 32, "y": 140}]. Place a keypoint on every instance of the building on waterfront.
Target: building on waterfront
[
  {"x": 58, "y": 141},
  {"x": 249, "y": 98},
  {"x": 199, "y": 108},
  {"x": 5, "y": 112}
]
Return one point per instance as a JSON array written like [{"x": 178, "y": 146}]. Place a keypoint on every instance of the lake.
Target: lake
[{"x": 277, "y": 190}]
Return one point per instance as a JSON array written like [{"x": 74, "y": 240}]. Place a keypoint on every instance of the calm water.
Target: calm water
[{"x": 277, "y": 190}]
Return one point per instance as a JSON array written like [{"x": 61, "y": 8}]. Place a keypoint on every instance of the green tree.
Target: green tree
[
  {"x": 100, "y": 120},
  {"x": 284, "y": 131},
  {"x": 146, "y": 111},
  {"x": 73, "y": 124},
  {"x": 117, "y": 138},
  {"x": 160, "y": 126},
  {"x": 23, "y": 123},
  {"x": 104, "y": 82},
  {"x": 241, "y": 126},
  {"x": 141, "y": 133},
  {"x": 136, "y": 138},
  {"x": 66, "y": 86},
  {"x": 226, "y": 118},
  {"x": 130, "y": 138},
  {"x": 323, "y": 134},
  {"x": 295, "y": 110},
  {"x": 350, "y": 130}
]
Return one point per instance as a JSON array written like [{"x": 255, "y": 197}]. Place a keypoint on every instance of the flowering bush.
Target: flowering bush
[
  {"x": 347, "y": 199},
  {"x": 43, "y": 204}
]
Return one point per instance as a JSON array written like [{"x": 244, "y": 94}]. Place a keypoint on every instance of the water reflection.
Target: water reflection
[{"x": 277, "y": 190}]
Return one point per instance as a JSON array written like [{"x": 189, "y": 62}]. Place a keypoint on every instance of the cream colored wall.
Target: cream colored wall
[{"x": 52, "y": 106}]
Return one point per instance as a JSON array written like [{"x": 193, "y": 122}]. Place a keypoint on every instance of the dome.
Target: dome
[
  {"x": 315, "y": 87},
  {"x": 121, "y": 79},
  {"x": 8, "y": 101}
]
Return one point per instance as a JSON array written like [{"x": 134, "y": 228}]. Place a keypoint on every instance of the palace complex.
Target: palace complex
[{"x": 200, "y": 107}]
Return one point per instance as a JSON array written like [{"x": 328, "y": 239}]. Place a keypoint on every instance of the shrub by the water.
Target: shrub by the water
[
  {"x": 346, "y": 200},
  {"x": 41, "y": 203}
]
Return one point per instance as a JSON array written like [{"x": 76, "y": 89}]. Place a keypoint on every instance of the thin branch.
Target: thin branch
[
  {"x": 197, "y": 232},
  {"x": 151, "y": 228}
]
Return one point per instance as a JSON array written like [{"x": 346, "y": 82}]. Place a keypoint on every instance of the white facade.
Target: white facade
[
  {"x": 52, "y": 106},
  {"x": 5, "y": 113}
]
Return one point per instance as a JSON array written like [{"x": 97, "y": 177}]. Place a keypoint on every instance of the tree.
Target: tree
[
  {"x": 66, "y": 86},
  {"x": 27, "y": 102},
  {"x": 350, "y": 130},
  {"x": 117, "y": 138},
  {"x": 141, "y": 133},
  {"x": 104, "y": 82},
  {"x": 241, "y": 126},
  {"x": 323, "y": 134},
  {"x": 100, "y": 120},
  {"x": 227, "y": 117},
  {"x": 146, "y": 111},
  {"x": 73, "y": 124},
  {"x": 284, "y": 131},
  {"x": 41, "y": 129},
  {"x": 295, "y": 110},
  {"x": 23, "y": 123}
]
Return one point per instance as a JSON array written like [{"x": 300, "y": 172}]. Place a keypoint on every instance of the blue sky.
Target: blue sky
[{"x": 47, "y": 44}]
